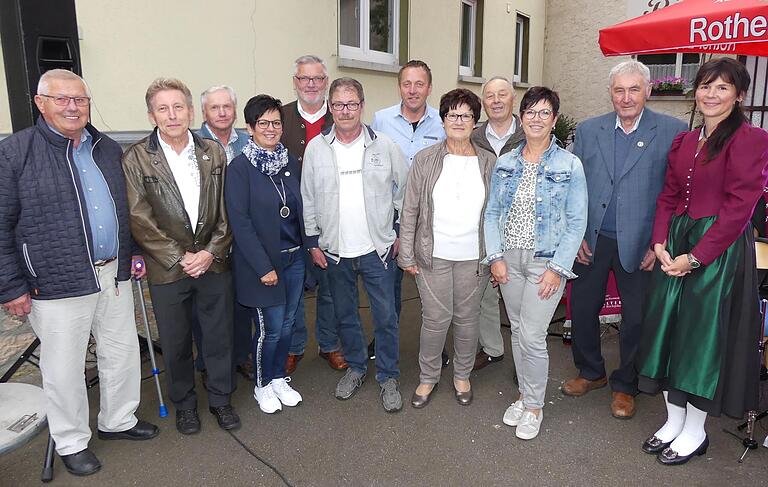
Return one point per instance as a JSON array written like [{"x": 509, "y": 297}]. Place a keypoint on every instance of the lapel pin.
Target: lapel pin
[
  {"x": 287, "y": 173},
  {"x": 640, "y": 143},
  {"x": 205, "y": 157}
]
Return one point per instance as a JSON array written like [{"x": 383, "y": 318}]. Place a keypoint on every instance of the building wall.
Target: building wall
[
  {"x": 574, "y": 64},
  {"x": 5, "y": 113},
  {"x": 251, "y": 45}
]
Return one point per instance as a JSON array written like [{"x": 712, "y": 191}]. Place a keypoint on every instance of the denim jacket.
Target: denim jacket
[{"x": 561, "y": 206}]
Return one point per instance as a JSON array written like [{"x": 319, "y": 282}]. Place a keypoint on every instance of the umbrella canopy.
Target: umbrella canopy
[{"x": 702, "y": 26}]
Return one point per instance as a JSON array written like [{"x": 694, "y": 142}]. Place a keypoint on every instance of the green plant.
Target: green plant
[{"x": 564, "y": 129}]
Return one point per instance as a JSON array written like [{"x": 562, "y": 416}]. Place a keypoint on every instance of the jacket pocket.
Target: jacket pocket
[{"x": 27, "y": 260}]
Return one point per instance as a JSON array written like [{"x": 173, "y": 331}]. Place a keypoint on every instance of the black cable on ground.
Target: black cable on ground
[{"x": 264, "y": 462}]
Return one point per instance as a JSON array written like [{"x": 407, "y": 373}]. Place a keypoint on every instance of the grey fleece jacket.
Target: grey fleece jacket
[{"x": 384, "y": 176}]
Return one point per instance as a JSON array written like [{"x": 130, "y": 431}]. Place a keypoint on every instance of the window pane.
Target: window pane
[
  {"x": 382, "y": 20},
  {"x": 466, "y": 33},
  {"x": 349, "y": 22},
  {"x": 518, "y": 46},
  {"x": 661, "y": 65}
]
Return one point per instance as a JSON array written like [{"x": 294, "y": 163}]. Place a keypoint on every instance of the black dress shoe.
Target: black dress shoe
[
  {"x": 418, "y": 401},
  {"x": 142, "y": 431},
  {"x": 81, "y": 463},
  {"x": 187, "y": 421},
  {"x": 670, "y": 457},
  {"x": 654, "y": 445},
  {"x": 463, "y": 398},
  {"x": 226, "y": 417},
  {"x": 445, "y": 359}
]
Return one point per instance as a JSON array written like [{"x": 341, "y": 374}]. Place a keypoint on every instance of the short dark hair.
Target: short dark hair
[
  {"x": 537, "y": 94},
  {"x": 415, "y": 63},
  {"x": 346, "y": 82},
  {"x": 459, "y": 96},
  {"x": 258, "y": 106}
]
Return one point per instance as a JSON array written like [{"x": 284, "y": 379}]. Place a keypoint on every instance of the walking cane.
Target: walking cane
[{"x": 155, "y": 370}]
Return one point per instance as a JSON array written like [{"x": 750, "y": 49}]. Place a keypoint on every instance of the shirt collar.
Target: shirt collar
[
  {"x": 232, "y": 134},
  {"x": 312, "y": 117},
  {"x": 168, "y": 149},
  {"x": 489, "y": 132},
  {"x": 634, "y": 127},
  {"x": 84, "y": 135},
  {"x": 427, "y": 113}
]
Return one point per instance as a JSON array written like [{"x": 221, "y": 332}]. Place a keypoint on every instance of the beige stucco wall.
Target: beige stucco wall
[
  {"x": 5, "y": 114},
  {"x": 251, "y": 45},
  {"x": 573, "y": 63}
]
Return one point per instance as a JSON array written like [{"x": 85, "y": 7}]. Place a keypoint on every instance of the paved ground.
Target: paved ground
[{"x": 328, "y": 442}]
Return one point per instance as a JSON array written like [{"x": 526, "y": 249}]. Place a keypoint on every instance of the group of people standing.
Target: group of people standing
[{"x": 311, "y": 196}]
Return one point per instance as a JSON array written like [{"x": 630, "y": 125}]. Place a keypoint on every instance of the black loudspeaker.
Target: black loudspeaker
[{"x": 37, "y": 35}]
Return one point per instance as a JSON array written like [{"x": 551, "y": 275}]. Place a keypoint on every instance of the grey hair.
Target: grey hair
[
  {"x": 213, "y": 89},
  {"x": 348, "y": 83},
  {"x": 60, "y": 74},
  {"x": 630, "y": 67},
  {"x": 309, "y": 59},
  {"x": 498, "y": 78}
]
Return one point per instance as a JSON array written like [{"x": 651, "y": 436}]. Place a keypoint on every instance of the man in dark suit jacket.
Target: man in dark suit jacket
[{"x": 624, "y": 154}]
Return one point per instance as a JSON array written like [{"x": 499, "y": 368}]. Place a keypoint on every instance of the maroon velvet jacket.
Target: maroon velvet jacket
[{"x": 727, "y": 186}]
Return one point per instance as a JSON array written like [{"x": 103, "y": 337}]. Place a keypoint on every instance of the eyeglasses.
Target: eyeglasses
[
  {"x": 63, "y": 101},
  {"x": 465, "y": 117},
  {"x": 544, "y": 114},
  {"x": 351, "y": 106},
  {"x": 305, "y": 80},
  {"x": 264, "y": 124}
]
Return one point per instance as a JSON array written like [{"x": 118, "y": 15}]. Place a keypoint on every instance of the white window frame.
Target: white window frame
[
  {"x": 519, "y": 45},
  {"x": 468, "y": 70},
  {"x": 364, "y": 53},
  {"x": 678, "y": 65}
]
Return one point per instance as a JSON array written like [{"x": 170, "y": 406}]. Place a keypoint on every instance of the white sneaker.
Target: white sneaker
[
  {"x": 268, "y": 401},
  {"x": 285, "y": 393},
  {"x": 529, "y": 425},
  {"x": 513, "y": 413}
]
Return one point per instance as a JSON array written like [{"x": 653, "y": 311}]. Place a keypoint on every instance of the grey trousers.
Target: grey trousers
[
  {"x": 529, "y": 318},
  {"x": 491, "y": 340},
  {"x": 450, "y": 293}
]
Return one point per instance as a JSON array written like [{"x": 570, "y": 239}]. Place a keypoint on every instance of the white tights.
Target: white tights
[{"x": 684, "y": 427}]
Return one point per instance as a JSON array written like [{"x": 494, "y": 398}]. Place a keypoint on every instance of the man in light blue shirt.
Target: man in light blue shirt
[{"x": 412, "y": 124}]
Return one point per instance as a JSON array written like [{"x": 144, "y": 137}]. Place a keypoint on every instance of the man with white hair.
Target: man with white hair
[
  {"x": 219, "y": 105},
  {"x": 624, "y": 154},
  {"x": 303, "y": 120},
  {"x": 62, "y": 182}
]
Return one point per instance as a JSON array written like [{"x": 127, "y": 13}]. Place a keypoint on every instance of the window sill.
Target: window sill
[
  {"x": 367, "y": 65},
  {"x": 521, "y": 84},
  {"x": 476, "y": 80}
]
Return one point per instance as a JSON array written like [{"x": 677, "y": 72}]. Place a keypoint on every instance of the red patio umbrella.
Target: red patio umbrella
[{"x": 704, "y": 26}]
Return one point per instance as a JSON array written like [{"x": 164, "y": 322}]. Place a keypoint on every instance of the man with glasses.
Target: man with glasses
[
  {"x": 501, "y": 133},
  {"x": 352, "y": 185},
  {"x": 624, "y": 154},
  {"x": 67, "y": 258},
  {"x": 303, "y": 120}
]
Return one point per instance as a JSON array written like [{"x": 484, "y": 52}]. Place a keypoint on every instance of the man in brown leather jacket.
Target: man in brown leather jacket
[{"x": 175, "y": 182}]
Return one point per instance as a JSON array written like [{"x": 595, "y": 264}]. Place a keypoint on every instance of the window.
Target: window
[
  {"x": 522, "y": 29},
  {"x": 671, "y": 65},
  {"x": 468, "y": 37},
  {"x": 369, "y": 30}
]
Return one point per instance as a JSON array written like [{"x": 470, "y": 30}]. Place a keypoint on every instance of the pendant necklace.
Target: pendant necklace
[{"x": 284, "y": 210}]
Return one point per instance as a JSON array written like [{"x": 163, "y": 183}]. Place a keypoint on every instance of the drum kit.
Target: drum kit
[{"x": 23, "y": 413}]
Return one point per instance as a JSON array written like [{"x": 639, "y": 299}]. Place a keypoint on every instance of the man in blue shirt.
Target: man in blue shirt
[{"x": 414, "y": 126}]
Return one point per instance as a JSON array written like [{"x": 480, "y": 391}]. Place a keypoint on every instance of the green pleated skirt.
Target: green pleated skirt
[{"x": 700, "y": 332}]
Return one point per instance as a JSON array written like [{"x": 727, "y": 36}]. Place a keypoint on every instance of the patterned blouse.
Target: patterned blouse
[{"x": 519, "y": 229}]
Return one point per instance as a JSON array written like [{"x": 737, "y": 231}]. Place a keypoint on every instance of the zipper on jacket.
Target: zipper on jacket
[
  {"x": 117, "y": 222},
  {"x": 28, "y": 260},
  {"x": 82, "y": 218}
]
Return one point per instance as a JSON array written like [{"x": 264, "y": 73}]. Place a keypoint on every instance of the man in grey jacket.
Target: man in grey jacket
[{"x": 350, "y": 215}]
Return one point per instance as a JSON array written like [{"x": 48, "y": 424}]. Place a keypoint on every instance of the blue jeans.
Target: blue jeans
[
  {"x": 398, "y": 291},
  {"x": 378, "y": 279},
  {"x": 274, "y": 323},
  {"x": 326, "y": 325}
]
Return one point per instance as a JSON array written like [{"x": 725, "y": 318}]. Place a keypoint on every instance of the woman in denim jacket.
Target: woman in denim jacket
[{"x": 534, "y": 223}]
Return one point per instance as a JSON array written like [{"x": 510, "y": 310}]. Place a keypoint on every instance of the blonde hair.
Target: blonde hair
[{"x": 163, "y": 84}]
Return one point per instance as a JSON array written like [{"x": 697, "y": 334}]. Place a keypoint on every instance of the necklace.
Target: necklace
[{"x": 284, "y": 210}]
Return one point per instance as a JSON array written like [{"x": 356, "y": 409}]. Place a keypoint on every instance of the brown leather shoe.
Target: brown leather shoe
[
  {"x": 622, "y": 405},
  {"x": 335, "y": 360},
  {"x": 291, "y": 362},
  {"x": 580, "y": 386},
  {"x": 482, "y": 360}
]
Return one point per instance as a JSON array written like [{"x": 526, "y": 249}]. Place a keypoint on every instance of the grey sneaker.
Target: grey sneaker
[
  {"x": 390, "y": 396},
  {"x": 349, "y": 384}
]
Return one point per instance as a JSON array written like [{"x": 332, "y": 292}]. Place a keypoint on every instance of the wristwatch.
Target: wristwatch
[{"x": 693, "y": 261}]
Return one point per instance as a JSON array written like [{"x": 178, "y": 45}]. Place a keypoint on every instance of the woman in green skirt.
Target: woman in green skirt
[{"x": 702, "y": 323}]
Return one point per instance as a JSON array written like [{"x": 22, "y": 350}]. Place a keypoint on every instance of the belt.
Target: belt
[
  {"x": 291, "y": 250},
  {"x": 103, "y": 262}
]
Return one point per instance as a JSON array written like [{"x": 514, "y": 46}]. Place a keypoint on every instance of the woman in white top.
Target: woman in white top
[{"x": 441, "y": 243}]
